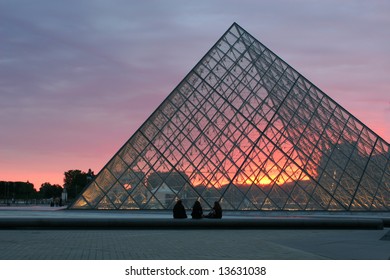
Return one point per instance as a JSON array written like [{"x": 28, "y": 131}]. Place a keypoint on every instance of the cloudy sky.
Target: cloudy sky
[{"x": 77, "y": 78}]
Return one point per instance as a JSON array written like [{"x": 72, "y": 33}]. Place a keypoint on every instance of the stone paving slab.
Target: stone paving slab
[{"x": 192, "y": 244}]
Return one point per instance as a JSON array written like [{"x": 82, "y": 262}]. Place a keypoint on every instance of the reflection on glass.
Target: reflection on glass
[{"x": 246, "y": 129}]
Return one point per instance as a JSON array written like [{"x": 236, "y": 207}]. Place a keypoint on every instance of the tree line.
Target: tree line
[{"x": 74, "y": 182}]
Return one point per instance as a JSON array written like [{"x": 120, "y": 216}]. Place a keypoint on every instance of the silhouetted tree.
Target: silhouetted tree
[
  {"x": 10, "y": 191},
  {"x": 74, "y": 182},
  {"x": 48, "y": 190}
]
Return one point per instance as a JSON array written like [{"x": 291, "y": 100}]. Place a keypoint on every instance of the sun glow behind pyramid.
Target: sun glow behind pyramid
[{"x": 246, "y": 129}]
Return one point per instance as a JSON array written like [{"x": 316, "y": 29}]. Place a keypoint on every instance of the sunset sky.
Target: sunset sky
[{"x": 78, "y": 78}]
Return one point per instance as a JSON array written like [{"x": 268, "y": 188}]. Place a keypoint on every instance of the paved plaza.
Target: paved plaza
[{"x": 176, "y": 244}]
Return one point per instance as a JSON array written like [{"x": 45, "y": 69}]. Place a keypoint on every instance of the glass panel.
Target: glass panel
[
  {"x": 105, "y": 180},
  {"x": 81, "y": 203},
  {"x": 93, "y": 194},
  {"x": 117, "y": 195},
  {"x": 129, "y": 204},
  {"x": 105, "y": 204},
  {"x": 117, "y": 166},
  {"x": 233, "y": 195},
  {"x": 322, "y": 197},
  {"x": 141, "y": 195},
  {"x": 128, "y": 154}
]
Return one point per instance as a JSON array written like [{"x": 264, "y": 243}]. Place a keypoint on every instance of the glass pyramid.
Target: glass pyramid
[{"x": 246, "y": 129}]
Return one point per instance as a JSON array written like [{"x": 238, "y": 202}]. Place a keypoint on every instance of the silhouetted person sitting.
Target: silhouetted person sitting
[
  {"x": 178, "y": 211},
  {"x": 197, "y": 211},
  {"x": 216, "y": 212}
]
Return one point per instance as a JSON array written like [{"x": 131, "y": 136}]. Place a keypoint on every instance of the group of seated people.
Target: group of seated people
[{"x": 179, "y": 211}]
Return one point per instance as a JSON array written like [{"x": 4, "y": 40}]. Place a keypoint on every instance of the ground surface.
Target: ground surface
[{"x": 176, "y": 244}]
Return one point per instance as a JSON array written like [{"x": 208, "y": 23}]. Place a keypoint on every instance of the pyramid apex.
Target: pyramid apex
[{"x": 235, "y": 24}]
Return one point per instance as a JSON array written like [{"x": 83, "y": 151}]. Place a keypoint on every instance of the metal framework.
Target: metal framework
[{"x": 246, "y": 129}]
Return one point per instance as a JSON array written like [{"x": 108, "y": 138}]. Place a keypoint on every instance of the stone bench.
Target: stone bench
[{"x": 170, "y": 223}]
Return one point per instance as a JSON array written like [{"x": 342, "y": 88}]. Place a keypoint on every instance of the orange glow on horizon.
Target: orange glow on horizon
[{"x": 264, "y": 178}]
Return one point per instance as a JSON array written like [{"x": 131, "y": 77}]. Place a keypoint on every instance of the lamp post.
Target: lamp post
[
  {"x": 64, "y": 195},
  {"x": 7, "y": 192}
]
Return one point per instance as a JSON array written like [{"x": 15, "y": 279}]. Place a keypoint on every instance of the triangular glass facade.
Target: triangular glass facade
[{"x": 246, "y": 129}]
